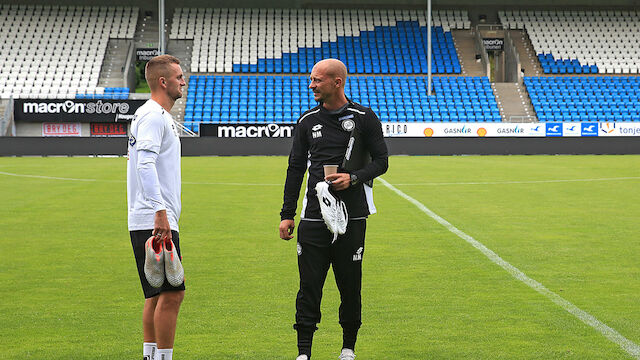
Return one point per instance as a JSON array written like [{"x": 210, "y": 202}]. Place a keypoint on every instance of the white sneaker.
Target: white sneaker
[
  {"x": 302, "y": 357},
  {"x": 154, "y": 263},
  {"x": 347, "y": 354},
  {"x": 172, "y": 266}
]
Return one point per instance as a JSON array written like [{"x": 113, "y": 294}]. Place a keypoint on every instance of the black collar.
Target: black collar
[{"x": 342, "y": 109}]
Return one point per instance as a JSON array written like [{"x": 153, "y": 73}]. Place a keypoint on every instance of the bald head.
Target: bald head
[
  {"x": 328, "y": 78},
  {"x": 332, "y": 68}
]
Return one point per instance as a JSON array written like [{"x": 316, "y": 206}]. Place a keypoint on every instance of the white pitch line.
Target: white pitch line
[
  {"x": 123, "y": 181},
  {"x": 520, "y": 182},
  {"x": 47, "y": 177},
  {"x": 627, "y": 345},
  {"x": 408, "y": 184},
  {"x": 229, "y": 184}
]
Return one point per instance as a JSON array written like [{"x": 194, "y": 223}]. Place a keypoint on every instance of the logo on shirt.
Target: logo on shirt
[
  {"x": 348, "y": 124},
  {"x": 132, "y": 140},
  {"x": 315, "y": 131},
  {"x": 358, "y": 255}
]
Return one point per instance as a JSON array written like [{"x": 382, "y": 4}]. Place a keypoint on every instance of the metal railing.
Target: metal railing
[
  {"x": 512, "y": 60},
  {"x": 484, "y": 56},
  {"x": 130, "y": 68},
  {"x": 512, "y": 64},
  {"x": 184, "y": 130}
]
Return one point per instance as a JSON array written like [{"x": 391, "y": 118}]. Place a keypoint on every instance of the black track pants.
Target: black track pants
[{"x": 315, "y": 254}]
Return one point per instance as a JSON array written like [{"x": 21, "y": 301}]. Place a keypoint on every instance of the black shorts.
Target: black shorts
[{"x": 138, "y": 238}]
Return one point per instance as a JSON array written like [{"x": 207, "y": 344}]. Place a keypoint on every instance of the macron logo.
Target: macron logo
[{"x": 71, "y": 107}]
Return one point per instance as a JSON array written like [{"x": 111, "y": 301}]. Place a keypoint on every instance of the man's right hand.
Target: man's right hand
[
  {"x": 286, "y": 229},
  {"x": 161, "y": 227}
]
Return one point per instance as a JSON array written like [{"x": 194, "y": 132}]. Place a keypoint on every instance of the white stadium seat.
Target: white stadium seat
[
  {"x": 608, "y": 39},
  {"x": 50, "y": 45},
  {"x": 245, "y": 35}
]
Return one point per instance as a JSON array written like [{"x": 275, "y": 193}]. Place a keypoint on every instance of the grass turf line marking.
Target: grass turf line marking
[
  {"x": 47, "y": 177},
  {"x": 417, "y": 184},
  {"x": 123, "y": 181},
  {"x": 521, "y": 182},
  {"x": 230, "y": 184},
  {"x": 627, "y": 345}
]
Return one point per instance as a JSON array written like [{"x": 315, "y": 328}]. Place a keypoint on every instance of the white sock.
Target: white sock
[
  {"x": 149, "y": 350},
  {"x": 164, "y": 354}
]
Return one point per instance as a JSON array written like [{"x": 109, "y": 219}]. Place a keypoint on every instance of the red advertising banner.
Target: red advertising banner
[
  {"x": 61, "y": 129},
  {"x": 108, "y": 129}
]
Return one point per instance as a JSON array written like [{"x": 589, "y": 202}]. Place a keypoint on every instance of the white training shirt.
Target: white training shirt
[{"x": 153, "y": 168}]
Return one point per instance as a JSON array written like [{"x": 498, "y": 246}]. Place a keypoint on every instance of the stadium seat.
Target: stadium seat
[
  {"x": 386, "y": 42},
  {"x": 587, "y": 42},
  {"x": 585, "y": 98},
  {"x": 62, "y": 50},
  {"x": 280, "y": 98}
]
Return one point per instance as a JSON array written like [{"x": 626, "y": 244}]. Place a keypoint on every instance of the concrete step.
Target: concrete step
[
  {"x": 465, "y": 46},
  {"x": 146, "y": 35},
  {"x": 112, "y": 71},
  {"x": 182, "y": 50},
  {"x": 140, "y": 96},
  {"x": 514, "y": 102},
  {"x": 528, "y": 58}
]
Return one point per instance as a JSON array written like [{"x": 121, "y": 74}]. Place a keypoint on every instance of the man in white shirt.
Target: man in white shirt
[{"x": 153, "y": 197}]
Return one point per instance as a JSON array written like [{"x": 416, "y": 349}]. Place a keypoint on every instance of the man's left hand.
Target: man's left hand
[{"x": 339, "y": 181}]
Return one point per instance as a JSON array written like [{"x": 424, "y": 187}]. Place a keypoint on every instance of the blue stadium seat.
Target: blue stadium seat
[
  {"x": 281, "y": 99},
  {"x": 584, "y": 98},
  {"x": 387, "y": 50}
]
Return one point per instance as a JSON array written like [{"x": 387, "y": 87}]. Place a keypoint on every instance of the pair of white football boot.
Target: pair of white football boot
[
  {"x": 346, "y": 354},
  {"x": 333, "y": 210},
  {"x": 162, "y": 261}
]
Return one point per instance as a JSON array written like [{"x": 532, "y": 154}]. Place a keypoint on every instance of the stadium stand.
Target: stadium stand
[
  {"x": 281, "y": 99},
  {"x": 284, "y": 41},
  {"x": 271, "y": 42},
  {"x": 51, "y": 51},
  {"x": 570, "y": 42},
  {"x": 585, "y": 98},
  {"x": 106, "y": 93}
]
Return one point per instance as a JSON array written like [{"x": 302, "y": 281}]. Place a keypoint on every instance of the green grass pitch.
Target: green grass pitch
[{"x": 70, "y": 290}]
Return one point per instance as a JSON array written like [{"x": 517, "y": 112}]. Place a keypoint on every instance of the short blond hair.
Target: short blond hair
[{"x": 157, "y": 67}]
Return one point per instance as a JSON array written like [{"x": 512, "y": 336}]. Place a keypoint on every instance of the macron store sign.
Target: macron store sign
[{"x": 76, "y": 110}]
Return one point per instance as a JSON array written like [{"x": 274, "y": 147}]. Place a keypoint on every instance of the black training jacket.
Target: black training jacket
[{"x": 321, "y": 138}]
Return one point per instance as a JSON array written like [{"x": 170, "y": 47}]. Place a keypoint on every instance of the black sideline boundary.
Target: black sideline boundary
[{"x": 212, "y": 146}]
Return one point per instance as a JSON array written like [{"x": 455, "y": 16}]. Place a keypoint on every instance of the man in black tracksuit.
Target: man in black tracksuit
[{"x": 321, "y": 138}]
